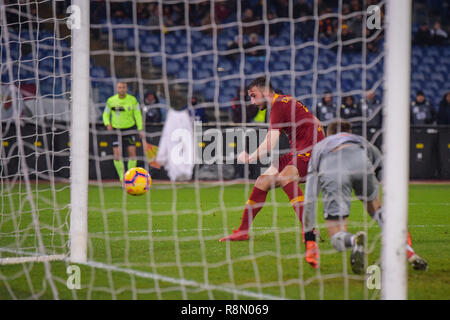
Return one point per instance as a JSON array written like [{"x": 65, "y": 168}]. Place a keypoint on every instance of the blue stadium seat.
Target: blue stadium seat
[
  {"x": 231, "y": 83},
  {"x": 182, "y": 74},
  {"x": 172, "y": 66},
  {"x": 347, "y": 75},
  {"x": 302, "y": 91},
  {"x": 51, "y": 86},
  {"x": 180, "y": 35},
  {"x": 207, "y": 42},
  {"x": 326, "y": 85},
  {"x": 321, "y": 65},
  {"x": 143, "y": 22},
  {"x": 345, "y": 60},
  {"x": 115, "y": 21},
  {"x": 415, "y": 86},
  {"x": 306, "y": 51},
  {"x": 441, "y": 68},
  {"x": 423, "y": 68},
  {"x": 249, "y": 68},
  {"x": 303, "y": 63},
  {"x": 150, "y": 38},
  {"x": 417, "y": 76},
  {"x": 148, "y": 47},
  {"x": 171, "y": 49},
  {"x": 47, "y": 64},
  {"x": 122, "y": 34},
  {"x": 209, "y": 91},
  {"x": 98, "y": 72},
  {"x": 428, "y": 60},
  {"x": 202, "y": 74},
  {"x": 434, "y": 52},
  {"x": 284, "y": 55},
  {"x": 226, "y": 66},
  {"x": 279, "y": 66},
  {"x": 222, "y": 43},
  {"x": 329, "y": 75},
  {"x": 198, "y": 87},
  {"x": 131, "y": 43},
  {"x": 204, "y": 62},
  {"x": 227, "y": 92},
  {"x": 157, "y": 61},
  {"x": 280, "y": 41}
]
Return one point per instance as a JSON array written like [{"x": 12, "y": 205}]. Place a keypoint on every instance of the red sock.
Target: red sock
[
  {"x": 296, "y": 198},
  {"x": 252, "y": 207}
]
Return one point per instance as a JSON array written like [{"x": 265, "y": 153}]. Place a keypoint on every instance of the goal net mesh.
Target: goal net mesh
[{"x": 191, "y": 57}]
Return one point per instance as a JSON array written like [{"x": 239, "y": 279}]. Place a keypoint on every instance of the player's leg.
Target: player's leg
[
  {"x": 373, "y": 206},
  {"x": 343, "y": 240},
  {"x": 118, "y": 162},
  {"x": 256, "y": 201},
  {"x": 288, "y": 179},
  {"x": 336, "y": 181},
  {"x": 130, "y": 142},
  {"x": 132, "y": 161}
]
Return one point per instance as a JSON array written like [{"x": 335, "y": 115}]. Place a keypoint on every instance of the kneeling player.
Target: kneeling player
[{"x": 339, "y": 164}]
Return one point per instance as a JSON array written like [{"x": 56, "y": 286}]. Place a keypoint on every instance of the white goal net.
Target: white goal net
[{"x": 177, "y": 58}]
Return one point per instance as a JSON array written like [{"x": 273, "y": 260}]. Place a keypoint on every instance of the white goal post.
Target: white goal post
[
  {"x": 396, "y": 144},
  {"x": 80, "y": 130}
]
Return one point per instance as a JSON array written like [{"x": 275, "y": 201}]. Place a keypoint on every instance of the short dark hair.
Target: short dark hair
[
  {"x": 339, "y": 126},
  {"x": 260, "y": 82}
]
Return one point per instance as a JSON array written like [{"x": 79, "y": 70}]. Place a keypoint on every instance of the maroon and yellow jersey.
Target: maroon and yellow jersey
[{"x": 301, "y": 127}]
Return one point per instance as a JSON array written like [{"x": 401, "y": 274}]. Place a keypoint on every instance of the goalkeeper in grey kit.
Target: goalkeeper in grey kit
[{"x": 340, "y": 163}]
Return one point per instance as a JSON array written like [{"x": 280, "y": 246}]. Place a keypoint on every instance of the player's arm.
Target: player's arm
[
  {"x": 270, "y": 141},
  {"x": 377, "y": 160},
  {"x": 138, "y": 118},
  {"x": 107, "y": 116}
]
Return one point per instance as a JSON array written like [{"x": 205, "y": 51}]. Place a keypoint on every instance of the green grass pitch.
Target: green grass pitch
[{"x": 169, "y": 240}]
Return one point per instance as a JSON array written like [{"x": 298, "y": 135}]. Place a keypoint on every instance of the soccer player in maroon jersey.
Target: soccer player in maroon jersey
[{"x": 290, "y": 116}]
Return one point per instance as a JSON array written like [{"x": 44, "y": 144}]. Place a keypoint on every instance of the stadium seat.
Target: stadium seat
[
  {"x": 143, "y": 22},
  {"x": 182, "y": 74},
  {"x": 428, "y": 60},
  {"x": 202, "y": 74},
  {"x": 226, "y": 94},
  {"x": 147, "y": 47},
  {"x": 153, "y": 38},
  {"x": 207, "y": 42},
  {"x": 442, "y": 68},
  {"x": 280, "y": 41},
  {"x": 347, "y": 75},
  {"x": 438, "y": 77},
  {"x": 157, "y": 61},
  {"x": 122, "y": 34},
  {"x": 172, "y": 66},
  {"x": 226, "y": 67},
  {"x": 303, "y": 63},
  {"x": 279, "y": 66},
  {"x": 198, "y": 86},
  {"x": 300, "y": 91},
  {"x": 209, "y": 91},
  {"x": 47, "y": 64},
  {"x": 98, "y": 72}
]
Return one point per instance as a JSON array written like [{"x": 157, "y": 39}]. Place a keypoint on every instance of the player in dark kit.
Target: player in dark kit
[{"x": 303, "y": 130}]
